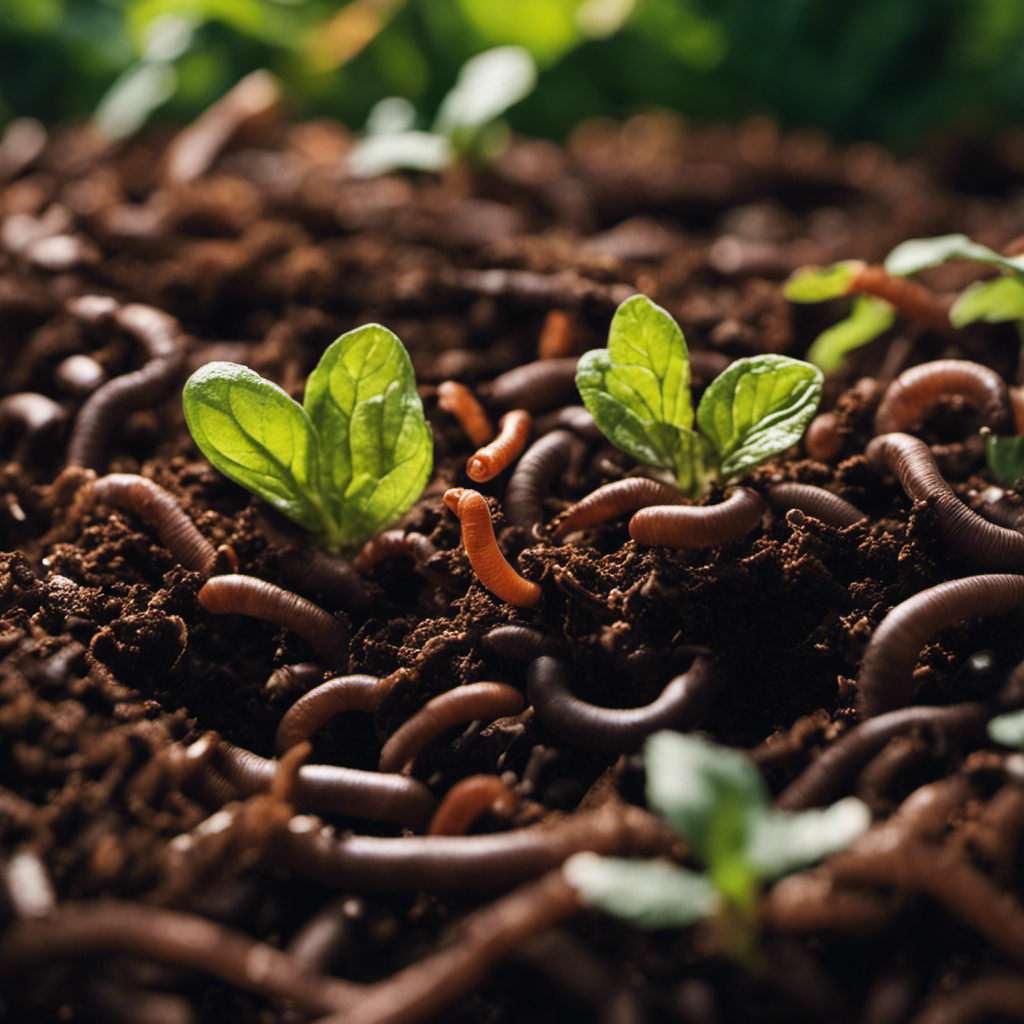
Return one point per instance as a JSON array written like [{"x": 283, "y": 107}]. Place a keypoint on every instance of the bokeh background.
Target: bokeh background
[{"x": 896, "y": 71}]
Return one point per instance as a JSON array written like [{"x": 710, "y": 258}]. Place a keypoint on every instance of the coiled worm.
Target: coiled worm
[
  {"x": 885, "y": 680},
  {"x": 392, "y": 543},
  {"x": 615, "y": 499},
  {"x": 531, "y": 479},
  {"x": 910, "y": 298},
  {"x": 698, "y": 526},
  {"x": 537, "y": 387},
  {"x": 494, "y": 458},
  {"x": 314, "y": 709},
  {"x": 247, "y": 595},
  {"x": 467, "y": 800},
  {"x": 814, "y": 501}
]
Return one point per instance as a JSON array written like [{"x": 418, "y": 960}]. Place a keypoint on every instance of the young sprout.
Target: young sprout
[
  {"x": 638, "y": 391},
  {"x": 717, "y": 801},
  {"x": 347, "y": 462}
]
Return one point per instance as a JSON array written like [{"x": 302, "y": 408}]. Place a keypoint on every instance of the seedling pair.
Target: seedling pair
[{"x": 638, "y": 391}]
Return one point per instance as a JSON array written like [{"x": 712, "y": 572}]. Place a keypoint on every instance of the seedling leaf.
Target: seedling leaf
[
  {"x": 819, "y": 284},
  {"x": 922, "y": 253},
  {"x": 992, "y": 301},
  {"x": 414, "y": 151},
  {"x": 1008, "y": 729},
  {"x": 869, "y": 317},
  {"x": 757, "y": 408},
  {"x": 1005, "y": 458},
  {"x": 648, "y": 894},
  {"x": 258, "y": 436}
]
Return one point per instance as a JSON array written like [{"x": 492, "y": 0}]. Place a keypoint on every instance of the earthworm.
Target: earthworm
[
  {"x": 467, "y": 800},
  {"x": 247, "y": 595},
  {"x": 998, "y": 829},
  {"x": 910, "y": 298},
  {"x": 160, "y": 335},
  {"x": 487, "y": 561},
  {"x": 822, "y": 441},
  {"x": 483, "y": 701},
  {"x": 27, "y": 882},
  {"x": 494, "y": 458},
  {"x": 432, "y": 863},
  {"x": 212, "y": 789},
  {"x": 811, "y": 902},
  {"x": 615, "y": 499},
  {"x": 458, "y": 400},
  {"x": 990, "y": 996},
  {"x": 160, "y": 509},
  {"x": 556, "y": 336},
  {"x": 331, "y": 788},
  {"x": 521, "y": 643},
  {"x": 966, "y": 533},
  {"x": 675, "y": 526},
  {"x": 617, "y": 730},
  {"x": 814, "y": 501},
  {"x": 531, "y": 479},
  {"x": 829, "y": 776},
  {"x": 79, "y": 375},
  {"x": 301, "y": 676},
  {"x": 92, "y": 927},
  {"x": 886, "y": 673},
  {"x": 1017, "y": 406},
  {"x": 421, "y": 990},
  {"x": 325, "y": 936},
  {"x": 333, "y": 579},
  {"x": 391, "y": 543},
  {"x": 122, "y": 1002},
  {"x": 33, "y": 416},
  {"x": 910, "y": 394},
  {"x": 314, "y": 709},
  {"x": 569, "y": 417},
  {"x": 537, "y": 387}
]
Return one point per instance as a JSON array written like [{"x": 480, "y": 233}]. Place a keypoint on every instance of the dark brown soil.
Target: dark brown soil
[{"x": 108, "y": 662}]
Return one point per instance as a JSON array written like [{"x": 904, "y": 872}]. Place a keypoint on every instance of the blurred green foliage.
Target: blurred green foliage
[{"x": 892, "y": 71}]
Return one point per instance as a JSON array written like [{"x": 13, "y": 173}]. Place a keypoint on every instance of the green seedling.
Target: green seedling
[
  {"x": 717, "y": 801},
  {"x": 347, "y": 462},
  {"x": 468, "y": 124},
  {"x": 1008, "y": 729},
  {"x": 638, "y": 391}
]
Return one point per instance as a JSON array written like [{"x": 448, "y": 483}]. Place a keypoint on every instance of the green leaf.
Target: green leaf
[
  {"x": 819, "y": 284},
  {"x": 1008, "y": 729},
  {"x": 638, "y": 389},
  {"x": 778, "y": 843},
  {"x": 648, "y": 894},
  {"x": 377, "y": 449},
  {"x": 1005, "y": 458},
  {"x": 992, "y": 301},
  {"x": 757, "y": 408},
  {"x": 869, "y": 317},
  {"x": 922, "y": 253},
  {"x": 413, "y": 151},
  {"x": 258, "y": 436}
]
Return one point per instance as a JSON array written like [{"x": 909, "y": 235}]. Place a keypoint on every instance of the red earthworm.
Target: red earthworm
[
  {"x": 331, "y": 788},
  {"x": 28, "y": 885},
  {"x": 488, "y": 562},
  {"x": 569, "y": 417},
  {"x": 886, "y": 673},
  {"x": 966, "y": 533},
  {"x": 1017, "y": 406},
  {"x": 483, "y": 701},
  {"x": 829, "y": 776},
  {"x": 458, "y": 400},
  {"x": 33, "y": 416},
  {"x": 391, "y": 543},
  {"x": 556, "y": 336},
  {"x": 79, "y": 375},
  {"x": 988, "y": 997},
  {"x": 160, "y": 335},
  {"x": 467, "y": 800},
  {"x": 615, "y": 499},
  {"x": 521, "y": 643},
  {"x": 91, "y": 927},
  {"x": 531, "y": 480},
  {"x": 314, "y": 709},
  {"x": 247, "y": 595},
  {"x": 700, "y": 526},
  {"x": 822, "y": 441},
  {"x": 537, "y": 387},
  {"x": 161, "y": 510},
  {"x": 814, "y": 501},
  {"x": 513, "y": 432},
  {"x": 618, "y": 730},
  {"x": 432, "y": 863},
  {"x": 909, "y": 395},
  {"x": 301, "y": 676},
  {"x": 910, "y": 298},
  {"x": 452, "y": 497},
  {"x": 330, "y": 578}
]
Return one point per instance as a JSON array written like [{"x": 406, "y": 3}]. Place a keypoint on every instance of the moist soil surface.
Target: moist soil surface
[{"x": 111, "y": 669}]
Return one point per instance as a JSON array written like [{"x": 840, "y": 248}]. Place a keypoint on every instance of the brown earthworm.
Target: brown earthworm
[
  {"x": 615, "y": 499},
  {"x": 556, "y": 336},
  {"x": 569, "y": 417},
  {"x": 909, "y": 395},
  {"x": 911, "y": 299},
  {"x": 1017, "y": 406},
  {"x": 301, "y": 676},
  {"x": 537, "y": 387},
  {"x": 467, "y": 800},
  {"x": 391, "y": 543},
  {"x": 494, "y": 458},
  {"x": 79, "y": 375},
  {"x": 886, "y": 673},
  {"x": 125, "y": 1002},
  {"x": 989, "y": 997},
  {"x": 966, "y": 533},
  {"x": 700, "y": 526},
  {"x": 331, "y": 788},
  {"x": 160, "y": 335},
  {"x": 92, "y": 927},
  {"x": 33, "y": 416},
  {"x": 483, "y": 701},
  {"x": 247, "y": 595},
  {"x": 487, "y": 561},
  {"x": 521, "y": 643},
  {"x": 829, "y": 776},
  {"x": 162, "y": 511},
  {"x": 618, "y": 730},
  {"x": 321, "y": 941},
  {"x": 822, "y": 440},
  {"x": 814, "y": 501},
  {"x": 811, "y": 902},
  {"x": 458, "y": 400},
  {"x": 314, "y": 709},
  {"x": 432, "y": 863},
  {"x": 533, "y": 475}
]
